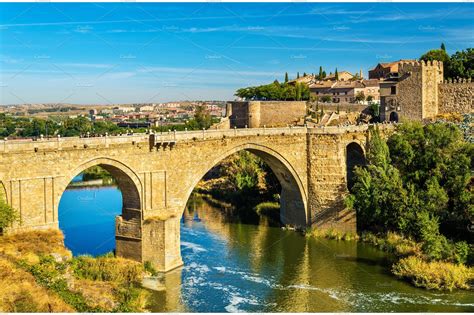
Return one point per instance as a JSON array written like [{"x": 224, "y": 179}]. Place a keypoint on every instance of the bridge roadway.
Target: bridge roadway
[{"x": 156, "y": 174}]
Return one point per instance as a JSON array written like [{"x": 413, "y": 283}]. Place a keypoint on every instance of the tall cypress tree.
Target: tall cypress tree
[
  {"x": 298, "y": 75},
  {"x": 443, "y": 47},
  {"x": 336, "y": 75},
  {"x": 320, "y": 76},
  {"x": 286, "y": 77}
]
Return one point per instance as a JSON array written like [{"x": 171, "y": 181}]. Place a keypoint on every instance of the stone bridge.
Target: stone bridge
[{"x": 156, "y": 174}]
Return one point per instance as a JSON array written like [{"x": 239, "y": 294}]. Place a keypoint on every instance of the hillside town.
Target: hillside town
[{"x": 390, "y": 92}]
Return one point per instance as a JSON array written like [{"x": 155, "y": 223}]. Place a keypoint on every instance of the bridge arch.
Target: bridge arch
[
  {"x": 355, "y": 156},
  {"x": 293, "y": 205},
  {"x": 127, "y": 180}
]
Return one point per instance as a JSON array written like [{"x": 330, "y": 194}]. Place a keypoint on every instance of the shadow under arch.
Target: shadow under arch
[
  {"x": 355, "y": 156},
  {"x": 293, "y": 206}
]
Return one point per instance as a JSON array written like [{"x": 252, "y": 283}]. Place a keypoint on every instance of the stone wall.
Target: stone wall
[
  {"x": 345, "y": 107},
  {"x": 278, "y": 113},
  {"x": 456, "y": 96},
  {"x": 256, "y": 114},
  {"x": 416, "y": 96},
  {"x": 158, "y": 173}
]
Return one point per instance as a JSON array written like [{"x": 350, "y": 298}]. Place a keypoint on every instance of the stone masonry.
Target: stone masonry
[
  {"x": 420, "y": 93},
  {"x": 157, "y": 173}
]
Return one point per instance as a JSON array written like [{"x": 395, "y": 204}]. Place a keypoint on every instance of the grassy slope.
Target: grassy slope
[{"x": 38, "y": 274}]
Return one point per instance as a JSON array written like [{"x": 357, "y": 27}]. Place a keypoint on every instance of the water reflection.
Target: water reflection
[{"x": 231, "y": 266}]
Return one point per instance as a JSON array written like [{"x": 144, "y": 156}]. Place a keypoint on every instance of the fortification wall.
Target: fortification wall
[
  {"x": 256, "y": 114},
  {"x": 281, "y": 113},
  {"x": 239, "y": 116},
  {"x": 456, "y": 96},
  {"x": 409, "y": 91},
  {"x": 432, "y": 75},
  {"x": 343, "y": 107}
]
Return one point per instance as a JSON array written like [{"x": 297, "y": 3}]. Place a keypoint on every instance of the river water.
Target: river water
[{"x": 235, "y": 267}]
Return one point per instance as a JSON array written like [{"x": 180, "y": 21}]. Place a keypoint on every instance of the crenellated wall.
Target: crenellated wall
[{"x": 421, "y": 92}]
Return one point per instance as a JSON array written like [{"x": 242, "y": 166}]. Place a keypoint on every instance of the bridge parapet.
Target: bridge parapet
[{"x": 171, "y": 137}]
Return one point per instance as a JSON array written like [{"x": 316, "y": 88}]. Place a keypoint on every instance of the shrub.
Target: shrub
[
  {"x": 434, "y": 275},
  {"x": 108, "y": 269},
  {"x": 7, "y": 215}
]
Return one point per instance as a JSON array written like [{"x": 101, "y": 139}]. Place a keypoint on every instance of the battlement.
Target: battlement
[
  {"x": 458, "y": 81},
  {"x": 406, "y": 66}
]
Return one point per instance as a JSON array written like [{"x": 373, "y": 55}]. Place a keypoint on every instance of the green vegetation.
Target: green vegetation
[
  {"x": 7, "y": 215},
  {"x": 243, "y": 180},
  {"x": 419, "y": 185},
  {"x": 434, "y": 274},
  {"x": 39, "y": 275},
  {"x": 202, "y": 119},
  {"x": 97, "y": 172},
  {"x": 275, "y": 91},
  {"x": 458, "y": 65},
  {"x": 81, "y": 126}
]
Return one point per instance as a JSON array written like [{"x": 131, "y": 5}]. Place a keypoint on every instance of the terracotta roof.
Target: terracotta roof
[
  {"x": 348, "y": 85},
  {"x": 322, "y": 84},
  {"x": 371, "y": 82},
  {"x": 394, "y": 64}
]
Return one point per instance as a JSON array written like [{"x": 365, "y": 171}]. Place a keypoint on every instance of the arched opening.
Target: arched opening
[
  {"x": 98, "y": 198},
  {"x": 393, "y": 117},
  {"x": 291, "y": 196},
  {"x": 354, "y": 157},
  {"x": 213, "y": 246}
]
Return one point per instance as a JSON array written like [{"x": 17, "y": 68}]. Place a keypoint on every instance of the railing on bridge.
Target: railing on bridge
[{"x": 167, "y": 138}]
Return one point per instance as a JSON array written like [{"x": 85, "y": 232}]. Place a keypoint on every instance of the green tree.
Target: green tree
[
  {"x": 202, "y": 117},
  {"x": 440, "y": 55},
  {"x": 462, "y": 64},
  {"x": 325, "y": 98},
  {"x": 320, "y": 75},
  {"x": 286, "y": 77},
  {"x": 245, "y": 172},
  {"x": 297, "y": 75},
  {"x": 443, "y": 47},
  {"x": 336, "y": 75},
  {"x": 419, "y": 183},
  {"x": 360, "y": 96}
]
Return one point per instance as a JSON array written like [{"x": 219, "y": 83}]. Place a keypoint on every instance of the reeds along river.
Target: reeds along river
[{"x": 230, "y": 266}]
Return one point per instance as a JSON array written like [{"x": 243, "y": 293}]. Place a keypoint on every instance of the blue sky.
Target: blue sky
[{"x": 91, "y": 53}]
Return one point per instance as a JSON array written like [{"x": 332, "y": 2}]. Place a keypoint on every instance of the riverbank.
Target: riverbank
[
  {"x": 38, "y": 274},
  {"x": 409, "y": 262}
]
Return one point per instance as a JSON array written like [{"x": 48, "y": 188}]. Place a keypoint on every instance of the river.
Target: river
[{"x": 234, "y": 267}]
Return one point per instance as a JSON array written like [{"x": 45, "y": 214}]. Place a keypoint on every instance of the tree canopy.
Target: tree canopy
[
  {"x": 275, "y": 91},
  {"x": 419, "y": 183},
  {"x": 458, "y": 65}
]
